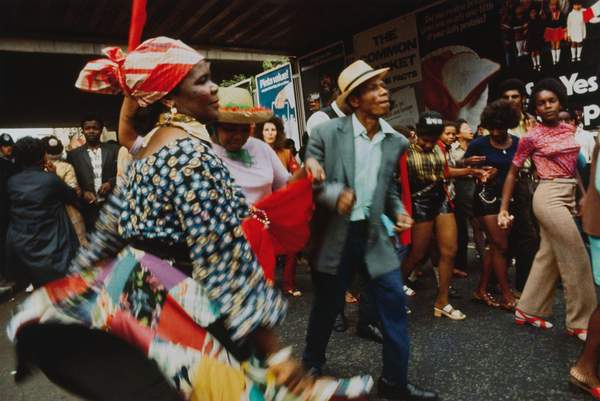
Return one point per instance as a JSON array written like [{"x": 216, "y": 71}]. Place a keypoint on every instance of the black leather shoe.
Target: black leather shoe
[
  {"x": 369, "y": 332},
  {"x": 341, "y": 323},
  {"x": 388, "y": 391}
]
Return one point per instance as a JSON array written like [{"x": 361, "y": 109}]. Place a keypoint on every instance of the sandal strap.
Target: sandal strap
[{"x": 449, "y": 309}]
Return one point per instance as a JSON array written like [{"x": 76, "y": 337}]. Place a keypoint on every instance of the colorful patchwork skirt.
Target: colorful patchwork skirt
[{"x": 145, "y": 302}]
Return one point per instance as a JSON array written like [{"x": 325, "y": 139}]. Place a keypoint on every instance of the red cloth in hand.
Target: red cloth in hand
[
  {"x": 405, "y": 236},
  {"x": 289, "y": 211}
]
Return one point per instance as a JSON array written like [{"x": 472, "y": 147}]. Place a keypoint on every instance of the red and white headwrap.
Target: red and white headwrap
[{"x": 147, "y": 73}]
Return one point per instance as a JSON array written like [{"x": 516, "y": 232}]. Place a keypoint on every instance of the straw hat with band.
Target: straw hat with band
[
  {"x": 356, "y": 74},
  {"x": 236, "y": 107}
]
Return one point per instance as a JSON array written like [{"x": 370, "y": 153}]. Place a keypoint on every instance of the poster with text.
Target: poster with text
[
  {"x": 393, "y": 44},
  {"x": 404, "y": 109},
  {"x": 555, "y": 39},
  {"x": 461, "y": 55},
  {"x": 275, "y": 90},
  {"x": 319, "y": 71}
]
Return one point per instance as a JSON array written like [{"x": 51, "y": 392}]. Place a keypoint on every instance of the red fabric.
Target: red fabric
[
  {"x": 147, "y": 73},
  {"x": 138, "y": 20},
  {"x": 406, "y": 235},
  {"x": 262, "y": 246},
  {"x": 65, "y": 288},
  {"x": 176, "y": 326},
  {"x": 289, "y": 211},
  {"x": 588, "y": 14},
  {"x": 129, "y": 329}
]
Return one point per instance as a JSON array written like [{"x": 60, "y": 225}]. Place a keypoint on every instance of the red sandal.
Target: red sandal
[
  {"x": 522, "y": 318},
  {"x": 582, "y": 383},
  {"x": 579, "y": 333}
]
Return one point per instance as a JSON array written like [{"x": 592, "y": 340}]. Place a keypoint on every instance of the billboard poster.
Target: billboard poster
[
  {"x": 275, "y": 90},
  {"x": 319, "y": 71},
  {"x": 393, "y": 44},
  {"x": 558, "y": 39},
  {"x": 459, "y": 44}
]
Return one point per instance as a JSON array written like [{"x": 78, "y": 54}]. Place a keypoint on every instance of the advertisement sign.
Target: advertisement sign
[
  {"x": 460, "y": 50},
  {"x": 393, "y": 44},
  {"x": 275, "y": 90},
  {"x": 556, "y": 39},
  {"x": 404, "y": 109},
  {"x": 318, "y": 75}
]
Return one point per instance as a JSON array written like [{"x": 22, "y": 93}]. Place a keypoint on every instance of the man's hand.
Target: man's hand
[
  {"x": 314, "y": 168},
  {"x": 89, "y": 197},
  {"x": 105, "y": 189},
  {"x": 291, "y": 375},
  {"x": 403, "y": 222},
  {"x": 505, "y": 219},
  {"x": 345, "y": 202}
]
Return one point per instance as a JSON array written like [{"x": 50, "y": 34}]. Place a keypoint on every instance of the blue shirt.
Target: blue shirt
[
  {"x": 498, "y": 158},
  {"x": 367, "y": 160}
]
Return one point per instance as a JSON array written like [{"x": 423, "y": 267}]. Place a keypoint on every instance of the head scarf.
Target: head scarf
[{"x": 147, "y": 73}]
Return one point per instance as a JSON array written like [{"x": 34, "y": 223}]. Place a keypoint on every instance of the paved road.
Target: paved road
[{"x": 484, "y": 358}]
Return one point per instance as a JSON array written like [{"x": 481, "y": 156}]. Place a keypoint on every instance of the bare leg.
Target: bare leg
[
  {"x": 478, "y": 237},
  {"x": 446, "y": 234},
  {"x": 587, "y": 364},
  {"x": 498, "y": 239},
  {"x": 486, "y": 269},
  {"x": 421, "y": 237}
]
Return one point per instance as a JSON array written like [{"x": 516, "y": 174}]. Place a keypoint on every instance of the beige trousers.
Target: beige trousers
[{"x": 561, "y": 254}]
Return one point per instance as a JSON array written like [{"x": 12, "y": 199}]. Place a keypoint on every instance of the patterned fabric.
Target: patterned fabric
[
  {"x": 184, "y": 195},
  {"x": 425, "y": 168},
  {"x": 554, "y": 151},
  {"x": 96, "y": 160},
  {"x": 147, "y": 74},
  {"x": 168, "y": 316}
]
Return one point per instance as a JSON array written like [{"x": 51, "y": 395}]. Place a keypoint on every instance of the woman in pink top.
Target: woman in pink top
[
  {"x": 253, "y": 164},
  {"x": 554, "y": 151}
]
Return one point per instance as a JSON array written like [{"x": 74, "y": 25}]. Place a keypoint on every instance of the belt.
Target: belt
[{"x": 559, "y": 180}]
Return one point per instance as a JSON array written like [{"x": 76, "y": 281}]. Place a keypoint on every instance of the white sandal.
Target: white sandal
[
  {"x": 449, "y": 312},
  {"x": 409, "y": 292}
]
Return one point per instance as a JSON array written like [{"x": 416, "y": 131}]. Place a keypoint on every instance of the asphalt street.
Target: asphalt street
[{"x": 483, "y": 358}]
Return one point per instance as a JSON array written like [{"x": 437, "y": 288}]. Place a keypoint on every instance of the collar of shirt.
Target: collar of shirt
[
  {"x": 360, "y": 130},
  {"x": 337, "y": 110}
]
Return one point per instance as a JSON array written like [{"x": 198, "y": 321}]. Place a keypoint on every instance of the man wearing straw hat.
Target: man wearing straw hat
[{"x": 359, "y": 194}]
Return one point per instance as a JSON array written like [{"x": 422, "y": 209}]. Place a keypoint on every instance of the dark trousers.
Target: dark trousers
[
  {"x": 90, "y": 214},
  {"x": 463, "y": 201},
  {"x": 385, "y": 292},
  {"x": 524, "y": 240}
]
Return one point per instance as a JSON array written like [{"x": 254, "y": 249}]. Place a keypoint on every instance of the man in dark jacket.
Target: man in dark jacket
[
  {"x": 40, "y": 241},
  {"x": 95, "y": 165},
  {"x": 7, "y": 168}
]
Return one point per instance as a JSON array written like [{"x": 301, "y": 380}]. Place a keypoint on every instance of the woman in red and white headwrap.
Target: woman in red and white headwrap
[{"x": 168, "y": 269}]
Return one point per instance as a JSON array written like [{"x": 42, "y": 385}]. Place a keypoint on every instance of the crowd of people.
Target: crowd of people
[{"x": 169, "y": 244}]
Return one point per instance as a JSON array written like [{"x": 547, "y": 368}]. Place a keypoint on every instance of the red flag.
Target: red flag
[
  {"x": 406, "y": 235},
  {"x": 138, "y": 20}
]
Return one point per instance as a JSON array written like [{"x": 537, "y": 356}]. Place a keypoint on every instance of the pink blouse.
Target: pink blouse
[
  {"x": 266, "y": 174},
  {"x": 553, "y": 150}
]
